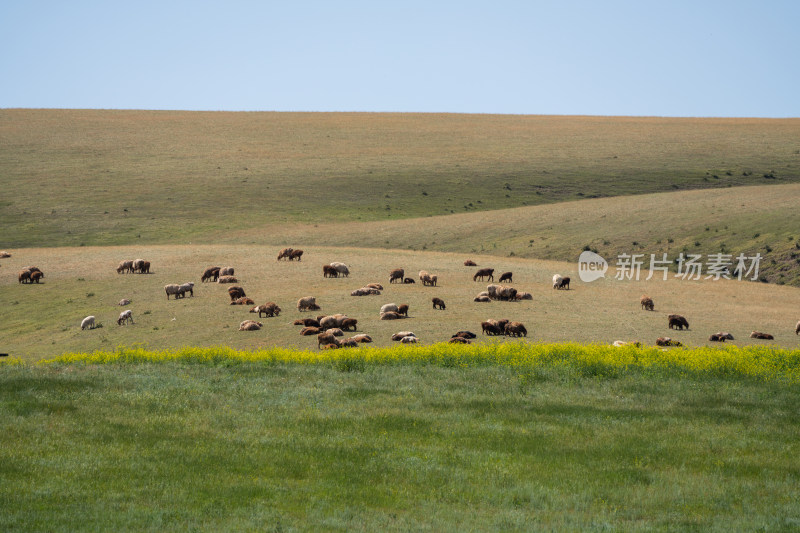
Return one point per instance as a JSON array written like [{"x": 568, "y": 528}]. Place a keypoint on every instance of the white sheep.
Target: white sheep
[
  {"x": 409, "y": 339},
  {"x": 341, "y": 268},
  {"x": 124, "y": 317},
  {"x": 557, "y": 279},
  {"x": 173, "y": 289},
  {"x": 389, "y": 307},
  {"x": 87, "y": 322},
  {"x": 309, "y": 302}
]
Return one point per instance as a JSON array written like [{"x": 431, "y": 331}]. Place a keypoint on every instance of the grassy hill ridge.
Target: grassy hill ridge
[{"x": 77, "y": 177}]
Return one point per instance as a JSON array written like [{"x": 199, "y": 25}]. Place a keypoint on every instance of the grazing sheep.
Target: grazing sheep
[
  {"x": 269, "y": 309},
  {"x": 409, "y": 340},
  {"x": 329, "y": 272},
  {"x": 307, "y": 303},
  {"x": 564, "y": 283},
  {"x": 296, "y": 254},
  {"x": 87, "y": 322},
  {"x": 428, "y": 279},
  {"x": 236, "y": 292},
  {"x": 389, "y": 307},
  {"x": 137, "y": 265},
  {"x": 349, "y": 324},
  {"x": 250, "y": 325},
  {"x": 227, "y": 279},
  {"x": 515, "y": 329},
  {"x": 466, "y": 335},
  {"x": 187, "y": 287},
  {"x": 361, "y": 338},
  {"x": 492, "y": 327},
  {"x": 341, "y": 268},
  {"x": 125, "y": 266},
  {"x": 403, "y": 309},
  {"x": 487, "y": 273},
  {"x": 396, "y": 274},
  {"x": 438, "y": 303},
  {"x": 309, "y": 322},
  {"x": 666, "y": 341},
  {"x": 677, "y": 321},
  {"x": 124, "y": 301},
  {"x": 124, "y": 317},
  {"x": 470, "y": 263},
  {"x": 145, "y": 268},
  {"x": 400, "y": 334},
  {"x": 243, "y": 301},
  {"x": 422, "y": 275},
  {"x": 310, "y": 330},
  {"x": 326, "y": 338},
  {"x": 557, "y": 279},
  {"x": 227, "y": 271},
  {"x": 459, "y": 340},
  {"x": 482, "y": 299},
  {"x": 36, "y": 275},
  {"x": 760, "y": 335},
  {"x": 24, "y": 276},
  {"x": 286, "y": 252},
  {"x": 524, "y": 296},
  {"x": 211, "y": 273},
  {"x": 647, "y": 302},
  {"x": 407, "y": 281},
  {"x": 173, "y": 289},
  {"x": 391, "y": 315},
  {"x": 506, "y": 276},
  {"x": 506, "y": 294}
]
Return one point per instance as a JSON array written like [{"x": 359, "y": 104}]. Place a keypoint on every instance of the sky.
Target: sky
[{"x": 679, "y": 58}]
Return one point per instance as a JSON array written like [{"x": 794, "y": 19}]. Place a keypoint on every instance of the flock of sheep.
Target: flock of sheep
[{"x": 328, "y": 328}]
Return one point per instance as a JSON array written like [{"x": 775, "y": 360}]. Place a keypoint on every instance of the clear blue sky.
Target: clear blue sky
[{"x": 667, "y": 58}]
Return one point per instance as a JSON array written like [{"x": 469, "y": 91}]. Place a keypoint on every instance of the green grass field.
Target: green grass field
[
  {"x": 181, "y": 422},
  {"x": 276, "y": 447}
]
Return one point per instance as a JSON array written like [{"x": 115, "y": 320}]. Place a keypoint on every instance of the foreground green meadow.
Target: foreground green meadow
[{"x": 437, "y": 438}]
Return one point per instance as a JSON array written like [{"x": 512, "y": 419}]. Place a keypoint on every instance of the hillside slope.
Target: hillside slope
[{"x": 73, "y": 177}]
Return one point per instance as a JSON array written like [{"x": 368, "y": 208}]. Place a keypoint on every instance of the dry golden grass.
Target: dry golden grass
[
  {"x": 43, "y": 320},
  {"x": 110, "y": 177}
]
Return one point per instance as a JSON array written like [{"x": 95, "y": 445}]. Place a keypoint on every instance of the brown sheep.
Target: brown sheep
[
  {"x": 666, "y": 341},
  {"x": 506, "y": 276},
  {"x": 250, "y": 325},
  {"x": 349, "y": 324},
  {"x": 227, "y": 279},
  {"x": 717, "y": 337},
  {"x": 236, "y": 292},
  {"x": 336, "y": 332},
  {"x": 376, "y": 286},
  {"x": 507, "y": 294},
  {"x": 311, "y": 322},
  {"x": 390, "y": 315},
  {"x": 459, "y": 340},
  {"x": 487, "y": 273},
  {"x": 326, "y": 338},
  {"x": 243, "y": 301},
  {"x": 296, "y": 254},
  {"x": 515, "y": 329},
  {"x": 428, "y": 279},
  {"x": 269, "y": 309},
  {"x": 677, "y": 321},
  {"x": 490, "y": 328},
  {"x": 310, "y": 330},
  {"x": 36, "y": 275},
  {"x": 470, "y": 263},
  {"x": 331, "y": 346},
  {"x": 524, "y": 296},
  {"x": 396, "y": 274},
  {"x": 647, "y": 302},
  {"x": 760, "y": 335},
  {"x": 361, "y": 338},
  {"x": 465, "y": 334},
  {"x": 403, "y": 310},
  {"x": 349, "y": 343},
  {"x": 408, "y": 281},
  {"x": 438, "y": 303},
  {"x": 286, "y": 252},
  {"x": 145, "y": 268},
  {"x": 210, "y": 274},
  {"x": 329, "y": 272},
  {"x": 307, "y": 303}
]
